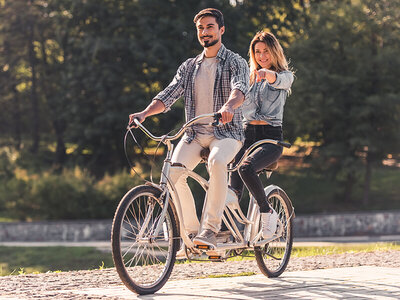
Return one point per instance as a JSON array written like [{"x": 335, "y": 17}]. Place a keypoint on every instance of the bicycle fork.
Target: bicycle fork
[{"x": 164, "y": 199}]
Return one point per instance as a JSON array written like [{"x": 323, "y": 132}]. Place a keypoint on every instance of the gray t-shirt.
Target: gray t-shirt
[{"x": 204, "y": 91}]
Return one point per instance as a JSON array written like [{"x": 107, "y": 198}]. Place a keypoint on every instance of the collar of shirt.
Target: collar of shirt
[{"x": 222, "y": 53}]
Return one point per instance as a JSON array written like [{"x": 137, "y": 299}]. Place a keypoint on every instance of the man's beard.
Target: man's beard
[{"x": 209, "y": 43}]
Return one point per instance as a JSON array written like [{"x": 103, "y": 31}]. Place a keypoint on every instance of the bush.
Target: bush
[
  {"x": 15, "y": 200},
  {"x": 70, "y": 195},
  {"x": 73, "y": 194}
]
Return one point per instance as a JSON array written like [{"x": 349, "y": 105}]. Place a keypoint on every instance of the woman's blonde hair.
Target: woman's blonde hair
[{"x": 278, "y": 63}]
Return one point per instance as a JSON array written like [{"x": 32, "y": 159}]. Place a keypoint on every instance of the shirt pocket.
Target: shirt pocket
[
  {"x": 248, "y": 101},
  {"x": 268, "y": 96}
]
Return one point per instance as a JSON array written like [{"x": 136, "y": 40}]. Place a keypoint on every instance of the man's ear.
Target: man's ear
[{"x": 222, "y": 29}]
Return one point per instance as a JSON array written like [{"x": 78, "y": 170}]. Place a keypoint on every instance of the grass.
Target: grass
[
  {"x": 320, "y": 250},
  {"x": 27, "y": 260},
  {"x": 6, "y": 219},
  {"x": 24, "y": 260},
  {"x": 343, "y": 248}
]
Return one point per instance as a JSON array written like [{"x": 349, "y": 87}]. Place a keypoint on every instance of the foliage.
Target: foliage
[
  {"x": 71, "y": 194},
  {"x": 347, "y": 89},
  {"x": 72, "y": 71}
]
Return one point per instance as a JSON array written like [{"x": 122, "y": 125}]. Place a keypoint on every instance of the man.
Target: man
[{"x": 214, "y": 81}]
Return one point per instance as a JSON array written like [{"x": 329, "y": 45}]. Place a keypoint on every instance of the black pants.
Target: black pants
[{"x": 260, "y": 158}]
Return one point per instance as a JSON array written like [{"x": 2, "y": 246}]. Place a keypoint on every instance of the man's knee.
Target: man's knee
[{"x": 217, "y": 162}]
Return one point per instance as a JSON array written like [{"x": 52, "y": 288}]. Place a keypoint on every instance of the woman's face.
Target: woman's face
[{"x": 262, "y": 55}]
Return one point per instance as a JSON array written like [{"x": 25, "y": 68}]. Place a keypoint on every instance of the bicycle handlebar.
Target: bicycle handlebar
[{"x": 216, "y": 116}]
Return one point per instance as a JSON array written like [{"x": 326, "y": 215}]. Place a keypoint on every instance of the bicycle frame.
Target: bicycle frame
[{"x": 251, "y": 234}]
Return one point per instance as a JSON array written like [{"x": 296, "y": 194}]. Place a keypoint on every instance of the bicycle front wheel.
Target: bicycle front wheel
[
  {"x": 272, "y": 259},
  {"x": 144, "y": 261}
]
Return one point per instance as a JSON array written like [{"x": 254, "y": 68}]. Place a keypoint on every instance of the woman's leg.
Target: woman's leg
[
  {"x": 258, "y": 160},
  {"x": 235, "y": 181}
]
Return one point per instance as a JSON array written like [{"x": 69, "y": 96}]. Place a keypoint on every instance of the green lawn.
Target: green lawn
[
  {"x": 15, "y": 260},
  {"x": 343, "y": 248},
  {"x": 22, "y": 260}
]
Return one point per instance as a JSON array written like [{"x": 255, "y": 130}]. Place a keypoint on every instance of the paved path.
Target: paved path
[{"x": 342, "y": 283}]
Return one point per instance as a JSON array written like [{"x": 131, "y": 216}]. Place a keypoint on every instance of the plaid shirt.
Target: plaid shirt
[{"x": 232, "y": 73}]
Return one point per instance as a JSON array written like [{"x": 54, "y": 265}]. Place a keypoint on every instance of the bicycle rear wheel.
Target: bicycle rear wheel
[
  {"x": 272, "y": 259},
  {"x": 143, "y": 261}
]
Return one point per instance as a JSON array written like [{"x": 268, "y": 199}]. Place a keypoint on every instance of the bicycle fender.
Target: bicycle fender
[
  {"x": 157, "y": 186},
  {"x": 272, "y": 187}
]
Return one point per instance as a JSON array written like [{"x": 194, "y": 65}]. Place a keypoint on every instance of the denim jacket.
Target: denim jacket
[{"x": 265, "y": 101}]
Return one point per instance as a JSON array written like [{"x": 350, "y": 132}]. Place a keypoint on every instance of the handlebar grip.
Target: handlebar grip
[
  {"x": 134, "y": 124},
  {"x": 217, "y": 118},
  {"x": 284, "y": 144}
]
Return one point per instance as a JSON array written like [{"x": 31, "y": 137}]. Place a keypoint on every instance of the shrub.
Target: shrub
[
  {"x": 114, "y": 187},
  {"x": 69, "y": 195},
  {"x": 73, "y": 194}
]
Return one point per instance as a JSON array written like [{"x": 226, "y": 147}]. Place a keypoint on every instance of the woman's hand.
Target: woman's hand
[{"x": 269, "y": 75}]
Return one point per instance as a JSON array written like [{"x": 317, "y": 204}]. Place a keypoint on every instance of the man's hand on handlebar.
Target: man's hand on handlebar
[
  {"x": 139, "y": 116},
  {"x": 226, "y": 112}
]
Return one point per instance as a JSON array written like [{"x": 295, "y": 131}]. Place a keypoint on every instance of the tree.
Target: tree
[{"x": 346, "y": 95}]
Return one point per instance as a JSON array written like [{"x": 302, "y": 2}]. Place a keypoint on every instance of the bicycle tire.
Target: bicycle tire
[
  {"x": 273, "y": 258},
  {"x": 145, "y": 265}
]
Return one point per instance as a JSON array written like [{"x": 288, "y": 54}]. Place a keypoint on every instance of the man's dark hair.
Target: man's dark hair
[{"x": 210, "y": 12}]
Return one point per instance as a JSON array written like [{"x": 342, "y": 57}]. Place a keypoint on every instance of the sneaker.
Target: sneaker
[
  {"x": 269, "y": 222},
  {"x": 206, "y": 237}
]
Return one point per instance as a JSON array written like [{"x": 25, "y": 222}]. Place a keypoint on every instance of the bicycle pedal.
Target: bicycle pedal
[
  {"x": 215, "y": 258},
  {"x": 203, "y": 247}
]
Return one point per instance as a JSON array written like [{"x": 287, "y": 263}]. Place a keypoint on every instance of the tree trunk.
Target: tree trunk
[
  {"x": 58, "y": 123},
  {"x": 34, "y": 98},
  {"x": 367, "y": 181},
  {"x": 17, "y": 120},
  {"x": 61, "y": 154},
  {"x": 348, "y": 188}
]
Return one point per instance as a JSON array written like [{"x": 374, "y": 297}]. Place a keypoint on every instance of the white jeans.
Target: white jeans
[{"x": 222, "y": 153}]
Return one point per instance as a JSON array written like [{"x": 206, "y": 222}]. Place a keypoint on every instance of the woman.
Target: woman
[{"x": 270, "y": 82}]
